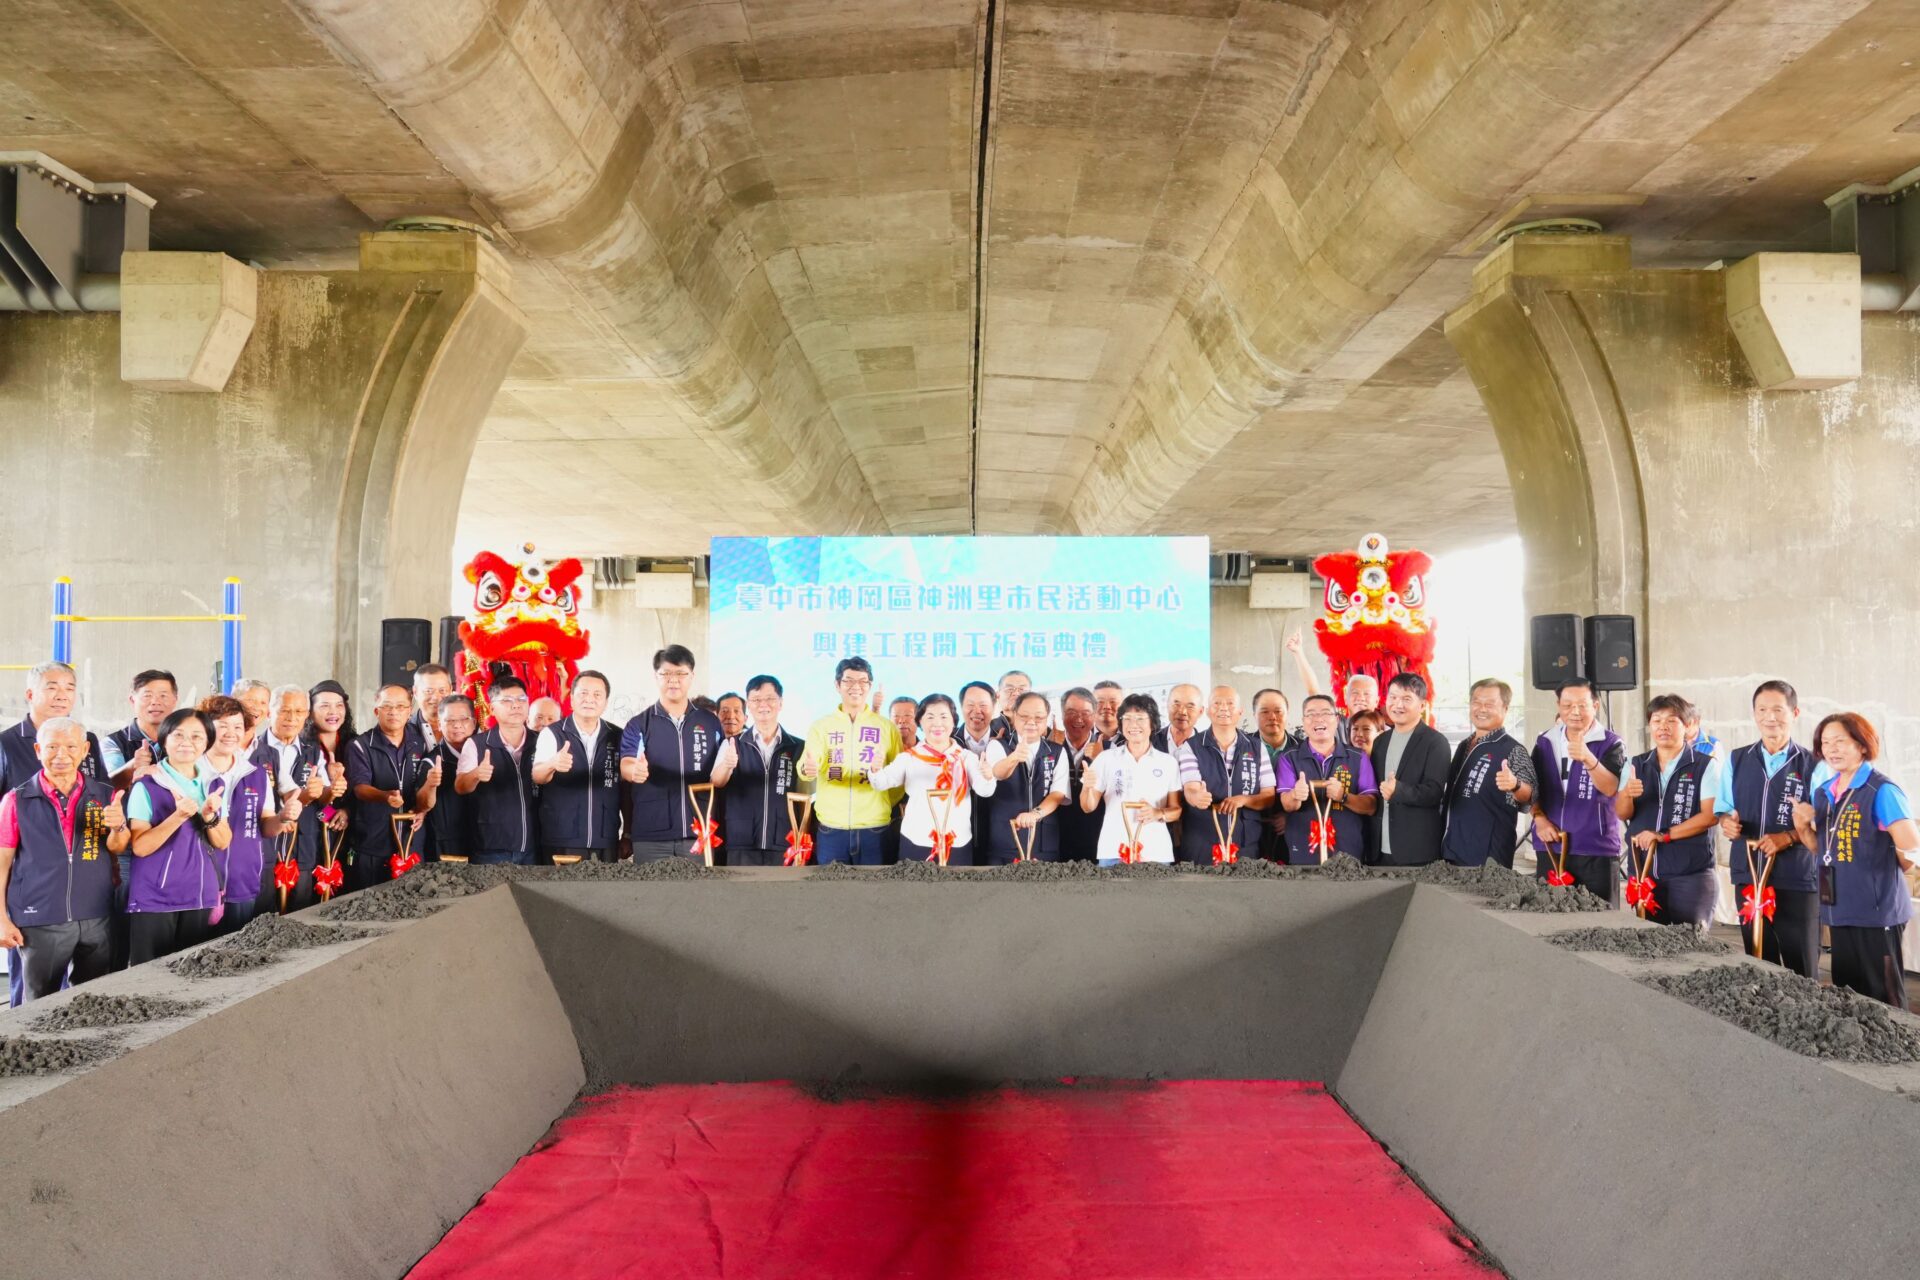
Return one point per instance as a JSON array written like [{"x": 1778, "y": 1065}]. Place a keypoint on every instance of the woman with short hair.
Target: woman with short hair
[
  {"x": 1861, "y": 830},
  {"x": 1137, "y": 774},
  {"x": 940, "y": 777},
  {"x": 177, "y": 827}
]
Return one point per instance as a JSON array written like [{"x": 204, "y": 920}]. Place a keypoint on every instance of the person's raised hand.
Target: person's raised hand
[
  {"x": 113, "y": 815},
  {"x": 1336, "y": 790},
  {"x": 809, "y": 765},
  {"x": 1634, "y": 788},
  {"x": 563, "y": 758},
  {"x": 484, "y": 770},
  {"x": 1505, "y": 779},
  {"x": 1730, "y": 825}
]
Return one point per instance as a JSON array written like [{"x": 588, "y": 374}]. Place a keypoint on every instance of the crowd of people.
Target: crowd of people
[{"x": 189, "y": 821}]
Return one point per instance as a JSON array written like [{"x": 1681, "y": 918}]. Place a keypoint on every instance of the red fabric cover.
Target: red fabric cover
[{"x": 1192, "y": 1178}]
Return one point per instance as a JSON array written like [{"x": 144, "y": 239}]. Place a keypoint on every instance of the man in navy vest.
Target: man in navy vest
[
  {"x": 431, "y": 683},
  {"x": 1033, "y": 778},
  {"x": 1080, "y": 742},
  {"x": 132, "y": 751},
  {"x": 52, "y": 693},
  {"x": 450, "y": 821},
  {"x": 1489, "y": 783},
  {"x": 576, "y": 767},
  {"x": 665, "y": 749},
  {"x": 496, "y": 770},
  {"x": 766, "y": 768},
  {"x": 1578, "y": 764},
  {"x": 389, "y": 772},
  {"x": 58, "y": 832},
  {"x": 1756, "y": 794},
  {"x": 1226, "y": 779}
]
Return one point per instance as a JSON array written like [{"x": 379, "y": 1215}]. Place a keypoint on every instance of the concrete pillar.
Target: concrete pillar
[
  {"x": 1752, "y": 533},
  {"x": 326, "y": 474}
]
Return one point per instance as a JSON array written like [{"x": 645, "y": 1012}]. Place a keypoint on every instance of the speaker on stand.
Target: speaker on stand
[
  {"x": 1613, "y": 657},
  {"x": 406, "y": 644},
  {"x": 1554, "y": 649}
]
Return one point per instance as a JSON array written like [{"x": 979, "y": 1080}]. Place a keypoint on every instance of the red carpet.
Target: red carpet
[{"x": 1193, "y": 1178}]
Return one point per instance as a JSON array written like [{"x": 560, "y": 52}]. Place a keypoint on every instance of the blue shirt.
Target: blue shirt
[
  {"x": 1771, "y": 761},
  {"x": 1889, "y": 803}
]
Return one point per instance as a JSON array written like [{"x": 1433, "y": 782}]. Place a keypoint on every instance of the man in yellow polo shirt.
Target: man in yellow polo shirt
[{"x": 843, "y": 748}]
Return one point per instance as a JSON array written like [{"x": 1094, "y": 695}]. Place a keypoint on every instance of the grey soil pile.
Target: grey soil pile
[
  {"x": 426, "y": 889},
  {"x": 1247, "y": 869},
  {"x": 1820, "y": 1022},
  {"x": 89, "y": 1010},
  {"x": 913, "y": 870},
  {"x": 1344, "y": 866},
  {"x": 264, "y": 940},
  {"x": 1658, "y": 943},
  {"x": 25, "y": 1056},
  {"x": 1508, "y": 890},
  {"x": 920, "y": 870}
]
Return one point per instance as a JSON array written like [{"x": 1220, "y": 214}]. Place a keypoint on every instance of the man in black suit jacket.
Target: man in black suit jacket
[{"x": 1410, "y": 760}]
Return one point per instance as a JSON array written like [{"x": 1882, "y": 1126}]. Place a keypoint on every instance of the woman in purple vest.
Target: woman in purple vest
[
  {"x": 247, "y": 797},
  {"x": 1577, "y": 765},
  {"x": 1861, "y": 830},
  {"x": 1667, "y": 802},
  {"x": 177, "y": 826}
]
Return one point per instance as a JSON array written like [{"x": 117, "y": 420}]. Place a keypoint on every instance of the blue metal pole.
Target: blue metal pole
[
  {"x": 230, "y": 632},
  {"x": 62, "y": 629}
]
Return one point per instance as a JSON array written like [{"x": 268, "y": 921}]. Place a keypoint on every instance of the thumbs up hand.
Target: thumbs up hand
[
  {"x": 113, "y": 815},
  {"x": 485, "y": 770},
  {"x": 563, "y": 758},
  {"x": 1505, "y": 780},
  {"x": 1634, "y": 788}
]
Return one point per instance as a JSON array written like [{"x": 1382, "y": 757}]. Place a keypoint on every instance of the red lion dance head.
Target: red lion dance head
[
  {"x": 525, "y": 617},
  {"x": 1376, "y": 621}
]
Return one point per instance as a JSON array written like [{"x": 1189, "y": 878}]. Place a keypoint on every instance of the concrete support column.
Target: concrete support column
[
  {"x": 1752, "y": 533},
  {"x": 326, "y": 474}
]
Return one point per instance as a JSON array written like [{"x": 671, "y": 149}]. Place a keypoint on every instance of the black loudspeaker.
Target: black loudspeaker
[
  {"x": 1612, "y": 660},
  {"x": 1555, "y": 648},
  {"x": 405, "y": 643},
  {"x": 450, "y": 639}
]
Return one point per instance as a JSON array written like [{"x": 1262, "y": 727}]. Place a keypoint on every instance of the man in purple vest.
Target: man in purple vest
[
  {"x": 1578, "y": 764},
  {"x": 57, "y": 832}
]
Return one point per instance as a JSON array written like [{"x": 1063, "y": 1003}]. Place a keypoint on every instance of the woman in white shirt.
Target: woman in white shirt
[
  {"x": 937, "y": 824},
  {"x": 1134, "y": 773}
]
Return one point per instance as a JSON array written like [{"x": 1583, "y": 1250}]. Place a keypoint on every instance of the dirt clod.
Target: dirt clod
[
  {"x": 264, "y": 940},
  {"x": 91, "y": 1010},
  {"x": 1791, "y": 1011},
  {"x": 30, "y": 1056},
  {"x": 1648, "y": 944}
]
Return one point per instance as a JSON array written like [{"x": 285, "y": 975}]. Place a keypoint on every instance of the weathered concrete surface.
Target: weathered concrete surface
[
  {"x": 327, "y": 475},
  {"x": 1580, "y": 1124},
  {"x": 782, "y": 979},
  {"x": 332, "y": 1123},
  {"x": 1652, "y": 477}
]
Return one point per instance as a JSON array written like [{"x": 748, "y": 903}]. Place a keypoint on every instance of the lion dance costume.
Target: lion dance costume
[
  {"x": 525, "y": 620},
  {"x": 1376, "y": 621}
]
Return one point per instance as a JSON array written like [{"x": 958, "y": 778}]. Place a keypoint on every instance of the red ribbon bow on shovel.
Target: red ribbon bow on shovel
[
  {"x": 799, "y": 848},
  {"x": 1228, "y": 853},
  {"x": 706, "y": 836},
  {"x": 286, "y": 875},
  {"x": 400, "y": 864},
  {"x": 942, "y": 847},
  {"x": 1132, "y": 852},
  {"x": 328, "y": 877},
  {"x": 1560, "y": 877},
  {"x": 1748, "y": 906},
  {"x": 1320, "y": 835},
  {"x": 1640, "y": 893}
]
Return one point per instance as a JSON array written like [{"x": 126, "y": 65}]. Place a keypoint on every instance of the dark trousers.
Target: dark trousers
[
  {"x": 1792, "y": 938},
  {"x": 657, "y": 850},
  {"x": 117, "y": 943},
  {"x": 863, "y": 846},
  {"x": 1079, "y": 836},
  {"x": 737, "y": 857},
  {"x": 1598, "y": 876},
  {"x": 42, "y": 960},
  {"x": 1867, "y": 959},
  {"x": 960, "y": 856},
  {"x": 152, "y": 934},
  {"x": 1685, "y": 899},
  {"x": 238, "y": 912}
]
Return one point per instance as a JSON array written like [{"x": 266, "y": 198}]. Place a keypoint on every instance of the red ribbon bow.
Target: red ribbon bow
[
  {"x": 1229, "y": 852},
  {"x": 327, "y": 877},
  {"x": 286, "y": 874},
  {"x": 1134, "y": 852},
  {"x": 944, "y": 783},
  {"x": 799, "y": 848},
  {"x": 400, "y": 866},
  {"x": 1640, "y": 893},
  {"x": 1747, "y": 905},
  {"x": 1560, "y": 877},
  {"x": 1320, "y": 835},
  {"x": 706, "y": 835},
  {"x": 942, "y": 847}
]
